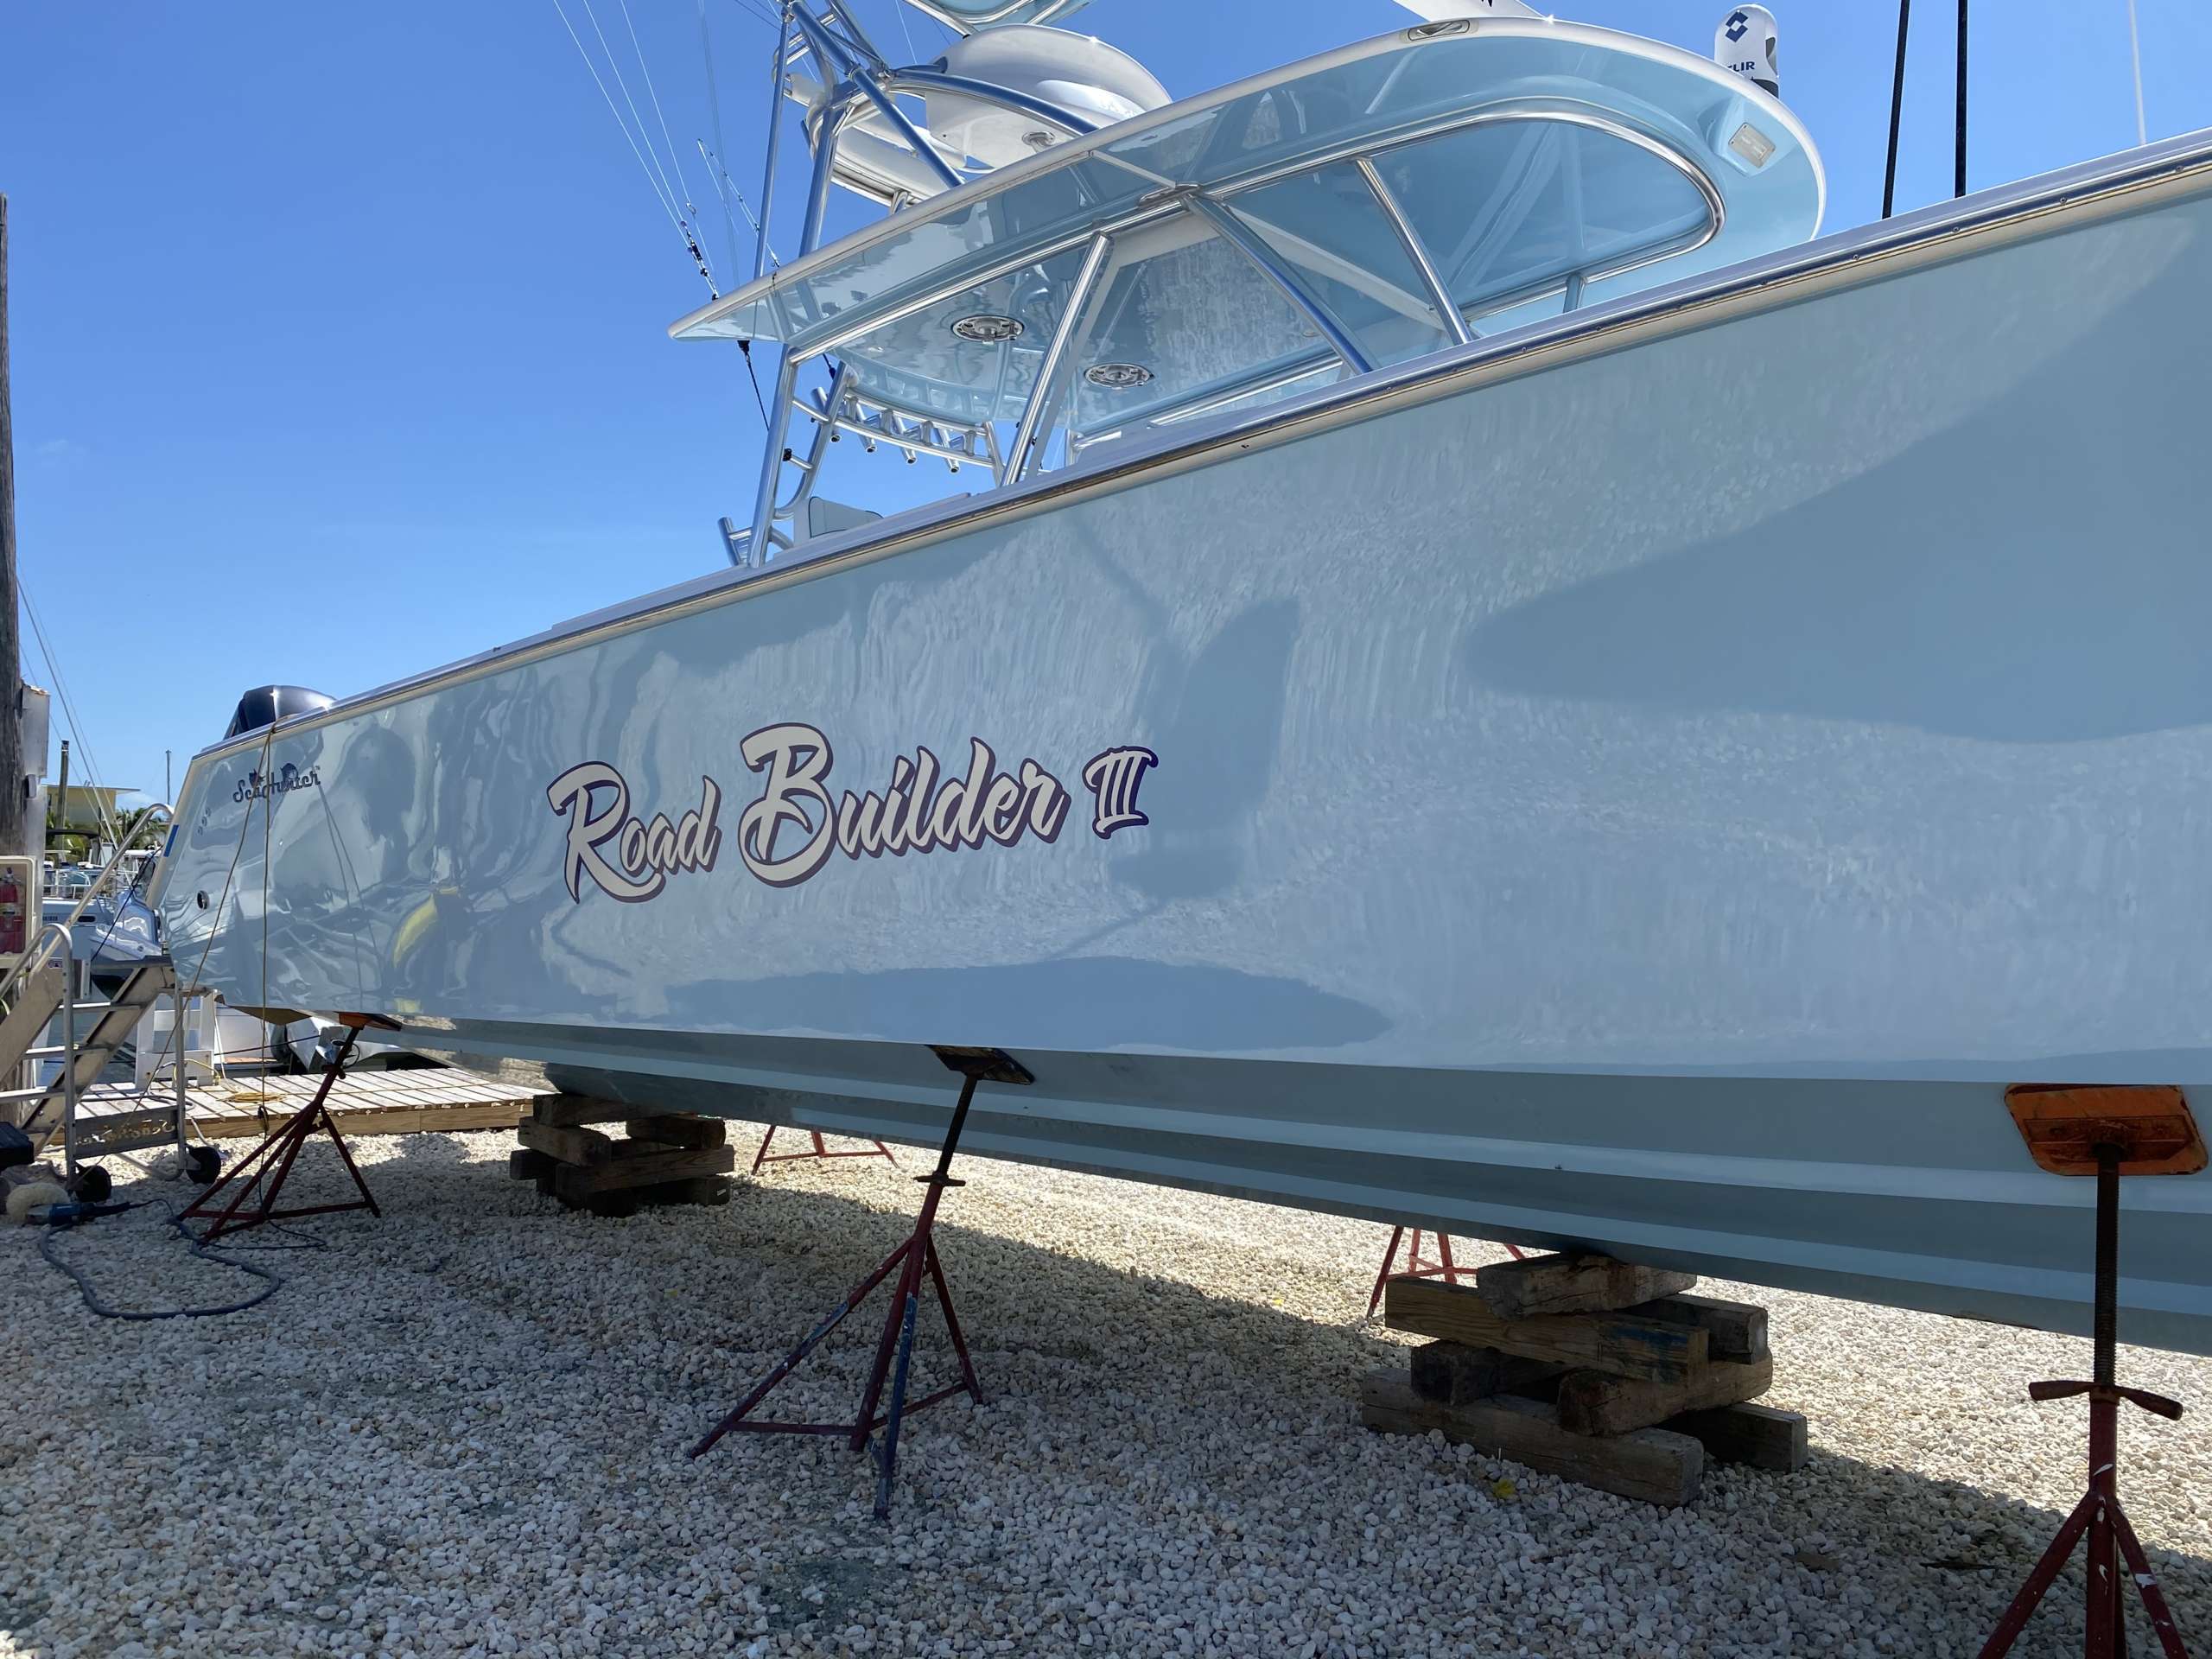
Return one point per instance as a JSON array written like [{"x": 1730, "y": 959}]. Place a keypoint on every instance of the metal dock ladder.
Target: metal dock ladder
[
  {"x": 50, "y": 982},
  {"x": 55, "y": 986}
]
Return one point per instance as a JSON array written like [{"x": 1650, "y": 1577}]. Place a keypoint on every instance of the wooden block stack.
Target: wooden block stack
[
  {"x": 1596, "y": 1370},
  {"x": 662, "y": 1158}
]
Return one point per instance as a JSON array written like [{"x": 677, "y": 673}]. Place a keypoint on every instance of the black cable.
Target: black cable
[
  {"x": 1959, "y": 165},
  {"x": 176, "y": 1220},
  {"x": 745, "y": 351},
  {"x": 1896, "y": 111}
]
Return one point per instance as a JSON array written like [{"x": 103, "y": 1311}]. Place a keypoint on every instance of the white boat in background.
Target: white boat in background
[{"x": 1489, "y": 680}]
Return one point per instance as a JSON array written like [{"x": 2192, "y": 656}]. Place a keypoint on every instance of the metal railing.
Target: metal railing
[
  {"x": 1212, "y": 203},
  {"x": 67, "y": 1013},
  {"x": 40, "y": 955},
  {"x": 125, "y": 842}
]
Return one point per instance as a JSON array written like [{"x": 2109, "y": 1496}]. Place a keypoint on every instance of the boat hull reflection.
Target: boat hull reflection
[{"x": 1650, "y": 793}]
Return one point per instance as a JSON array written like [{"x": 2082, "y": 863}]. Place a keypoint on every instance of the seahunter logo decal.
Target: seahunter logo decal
[
  {"x": 254, "y": 787},
  {"x": 797, "y": 824}
]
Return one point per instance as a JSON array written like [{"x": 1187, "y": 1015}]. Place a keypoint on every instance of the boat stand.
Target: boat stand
[
  {"x": 873, "y": 1149},
  {"x": 1443, "y": 1267},
  {"x": 266, "y": 1169},
  {"x": 894, "y": 1348},
  {"x": 2107, "y": 1133}
]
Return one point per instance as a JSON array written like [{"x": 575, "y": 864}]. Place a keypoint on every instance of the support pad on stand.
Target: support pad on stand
[
  {"x": 894, "y": 1348},
  {"x": 873, "y": 1149},
  {"x": 266, "y": 1169},
  {"x": 2107, "y": 1133}
]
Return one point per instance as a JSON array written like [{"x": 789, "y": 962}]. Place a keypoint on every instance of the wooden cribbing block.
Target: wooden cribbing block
[
  {"x": 1738, "y": 1330},
  {"x": 1572, "y": 1284},
  {"x": 1758, "y": 1435},
  {"x": 1591, "y": 1402},
  {"x": 576, "y": 1182},
  {"x": 628, "y": 1200},
  {"x": 1651, "y": 1463},
  {"x": 573, "y": 1111},
  {"x": 1659, "y": 1350},
  {"x": 678, "y": 1129},
  {"x": 566, "y": 1146},
  {"x": 699, "y": 1189},
  {"x": 524, "y": 1164},
  {"x": 1453, "y": 1374}
]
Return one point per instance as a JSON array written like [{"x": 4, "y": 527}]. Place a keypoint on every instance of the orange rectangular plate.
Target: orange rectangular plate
[{"x": 2064, "y": 1123}]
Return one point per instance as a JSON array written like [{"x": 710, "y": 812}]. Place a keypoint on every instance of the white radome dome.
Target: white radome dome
[{"x": 1080, "y": 73}]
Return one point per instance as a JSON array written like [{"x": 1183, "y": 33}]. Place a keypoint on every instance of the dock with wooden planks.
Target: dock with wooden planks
[{"x": 411, "y": 1101}]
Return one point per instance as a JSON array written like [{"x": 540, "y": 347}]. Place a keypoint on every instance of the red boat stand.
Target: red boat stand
[
  {"x": 2106, "y": 1132},
  {"x": 895, "y": 1349},
  {"x": 873, "y": 1149},
  {"x": 270, "y": 1163},
  {"x": 1443, "y": 1268}
]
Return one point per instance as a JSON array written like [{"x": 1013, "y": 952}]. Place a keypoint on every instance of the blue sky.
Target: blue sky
[{"x": 338, "y": 331}]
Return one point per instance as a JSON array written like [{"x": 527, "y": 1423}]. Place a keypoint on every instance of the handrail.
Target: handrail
[
  {"x": 38, "y": 954},
  {"x": 124, "y": 843},
  {"x": 72, "y": 979},
  {"x": 68, "y": 1012}
]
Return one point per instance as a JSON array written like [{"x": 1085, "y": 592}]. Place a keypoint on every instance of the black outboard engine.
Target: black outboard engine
[{"x": 267, "y": 704}]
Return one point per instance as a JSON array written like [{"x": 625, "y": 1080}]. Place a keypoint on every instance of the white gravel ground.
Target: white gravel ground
[{"x": 460, "y": 1430}]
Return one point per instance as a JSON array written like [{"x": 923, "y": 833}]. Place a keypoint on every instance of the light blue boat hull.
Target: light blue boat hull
[{"x": 1649, "y": 791}]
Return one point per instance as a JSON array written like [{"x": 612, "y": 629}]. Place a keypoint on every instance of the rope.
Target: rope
[
  {"x": 215, "y": 919},
  {"x": 69, "y": 709},
  {"x": 899, "y": 7},
  {"x": 615, "y": 69},
  {"x": 656, "y": 179},
  {"x": 715, "y": 173},
  {"x": 726, "y": 186},
  {"x": 667, "y": 206},
  {"x": 645, "y": 74},
  {"x": 760, "y": 12},
  {"x": 745, "y": 351}
]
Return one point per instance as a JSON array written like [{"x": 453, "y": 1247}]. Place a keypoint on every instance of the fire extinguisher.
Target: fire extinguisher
[{"x": 11, "y": 914}]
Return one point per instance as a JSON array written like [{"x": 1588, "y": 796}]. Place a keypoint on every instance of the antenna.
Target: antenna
[
  {"x": 2135, "y": 53},
  {"x": 1897, "y": 109},
  {"x": 1959, "y": 154}
]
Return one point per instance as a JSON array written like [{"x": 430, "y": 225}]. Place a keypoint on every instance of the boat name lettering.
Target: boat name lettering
[
  {"x": 1113, "y": 778},
  {"x": 915, "y": 813},
  {"x": 596, "y": 800},
  {"x": 797, "y": 822},
  {"x": 254, "y": 787}
]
